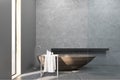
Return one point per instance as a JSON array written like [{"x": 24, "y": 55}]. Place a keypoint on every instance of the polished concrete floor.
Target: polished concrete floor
[{"x": 85, "y": 73}]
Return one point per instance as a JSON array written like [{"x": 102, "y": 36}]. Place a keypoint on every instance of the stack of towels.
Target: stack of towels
[{"x": 50, "y": 63}]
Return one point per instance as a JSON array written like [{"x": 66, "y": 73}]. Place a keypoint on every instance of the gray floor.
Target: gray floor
[{"x": 85, "y": 73}]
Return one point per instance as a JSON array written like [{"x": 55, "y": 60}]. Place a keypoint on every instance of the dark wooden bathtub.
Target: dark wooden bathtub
[
  {"x": 75, "y": 58},
  {"x": 71, "y": 62}
]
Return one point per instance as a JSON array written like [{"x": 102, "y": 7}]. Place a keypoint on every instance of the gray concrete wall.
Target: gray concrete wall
[
  {"x": 79, "y": 23},
  {"x": 104, "y": 28},
  {"x": 61, "y": 23},
  {"x": 5, "y": 39},
  {"x": 28, "y": 33}
]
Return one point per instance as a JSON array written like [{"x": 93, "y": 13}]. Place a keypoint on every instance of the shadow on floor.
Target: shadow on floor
[{"x": 85, "y": 73}]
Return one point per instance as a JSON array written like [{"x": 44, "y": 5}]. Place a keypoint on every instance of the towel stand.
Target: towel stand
[{"x": 42, "y": 71}]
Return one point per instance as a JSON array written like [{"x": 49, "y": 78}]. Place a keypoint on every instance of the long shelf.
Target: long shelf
[{"x": 63, "y": 50}]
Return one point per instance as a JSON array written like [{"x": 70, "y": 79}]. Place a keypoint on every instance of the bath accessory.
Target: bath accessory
[{"x": 48, "y": 63}]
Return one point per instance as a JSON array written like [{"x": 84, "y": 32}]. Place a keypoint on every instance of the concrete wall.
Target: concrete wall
[
  {"x": 5, "y": 39},
  {"x": 28, "y": 33},
  {"x": 79, "y": 23},
  {"x": 104, "y": 28},
  {"x": 61, "y": 23}
]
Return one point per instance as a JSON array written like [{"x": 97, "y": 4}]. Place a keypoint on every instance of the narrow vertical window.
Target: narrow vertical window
[{"x": 16, "y": 38}]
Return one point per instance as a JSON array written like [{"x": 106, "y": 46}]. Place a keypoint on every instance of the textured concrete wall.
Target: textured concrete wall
[
  {"x": 61, "y": 23},
  {"x": 104, "y": 28},
  {"x": 79, "y": 23}
]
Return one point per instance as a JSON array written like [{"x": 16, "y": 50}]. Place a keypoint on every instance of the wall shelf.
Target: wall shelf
[{"x": 78, "y": 50}]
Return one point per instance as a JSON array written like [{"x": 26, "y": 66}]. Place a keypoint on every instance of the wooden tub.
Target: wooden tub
[{"x": 71, "y": 61}]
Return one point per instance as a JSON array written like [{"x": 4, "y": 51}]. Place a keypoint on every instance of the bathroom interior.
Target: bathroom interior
[{"x": 80, "y": 27}]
